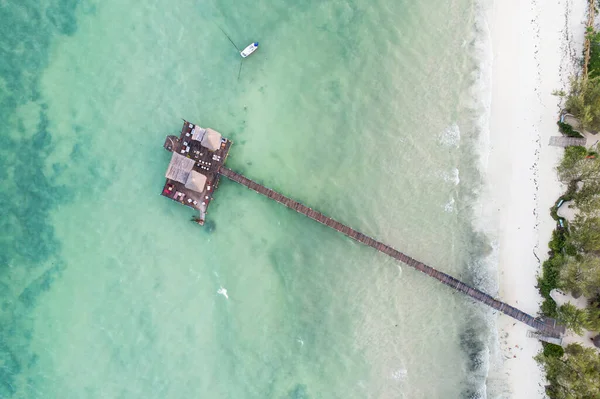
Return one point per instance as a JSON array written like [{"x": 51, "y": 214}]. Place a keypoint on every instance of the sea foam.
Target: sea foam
[
  {"x": 450, "y": 137},
  {"x": 482, "y": 269}
]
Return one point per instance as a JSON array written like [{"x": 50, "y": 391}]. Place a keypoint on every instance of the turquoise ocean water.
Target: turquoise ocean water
[{"x": 361, "y": 109}]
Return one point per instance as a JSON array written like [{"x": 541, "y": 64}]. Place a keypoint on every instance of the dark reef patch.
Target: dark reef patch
[
  {"x": 27, "y": 195},
  {"x": 210, "y": 226},
  {"x": 300, "y": 391}
]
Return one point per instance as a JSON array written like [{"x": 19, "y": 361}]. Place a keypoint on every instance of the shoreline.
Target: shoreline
[{"x": 532, "y": 47}]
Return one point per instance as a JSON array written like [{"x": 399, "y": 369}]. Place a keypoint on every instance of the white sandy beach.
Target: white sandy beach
[{"x": 534, "y": 45}]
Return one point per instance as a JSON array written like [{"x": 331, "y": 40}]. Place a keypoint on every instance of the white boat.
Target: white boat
[{"x": 249, "y": 50}]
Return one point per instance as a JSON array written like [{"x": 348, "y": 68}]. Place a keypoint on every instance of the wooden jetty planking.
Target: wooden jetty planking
[
  {"x": 548, "y": 327},
  {"x": 563, "y": 141}
]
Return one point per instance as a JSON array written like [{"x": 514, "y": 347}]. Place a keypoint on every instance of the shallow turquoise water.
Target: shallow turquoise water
[{"x": 355, "y": 108}]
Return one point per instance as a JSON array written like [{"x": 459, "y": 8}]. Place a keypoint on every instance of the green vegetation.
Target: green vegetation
[
  {"x": 583, "y": 98},
  {"x": 573, "y": 167},
  {"x": 574, "y": 263},
  {"x": 572, "y": 317},
  {"x": 587, "y": 200},
  {"x": 567, "y": 130},
  {"x": 592, "y": 321},
  {"x": 548, "y": 281},
  {"x": 582, "y": 101},
  {"x": 576, "y": 374},
  {"x": 594, "y": 63},
  {"x": 581, "y": 274},
  {"x": 551, "y": 350},
  {"x": 585, "y": 233},
  {"x": 574, "y": 266},
  {"x": 558, "y": 241}
]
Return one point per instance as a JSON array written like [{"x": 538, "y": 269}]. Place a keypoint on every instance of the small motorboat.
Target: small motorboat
[{"x": 249, "y": 50}]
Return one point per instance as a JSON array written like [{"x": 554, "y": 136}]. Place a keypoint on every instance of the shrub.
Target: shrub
[
  {"x": 550, "y": 275},
  {"x": 571, "y": 191},
  {"x": 583, "y": 101},
  {"x": 558, "y": 241},
  {"x": 554, "y": 213},
  {"x": 574, "y": 375},
  {"x": 581, "y": 274},
  {"x": 551, "y": 350},
  {"x": 549, "y": 308},
  {"x": 592, "y": 318},
  {"x": 585, "y": 233},
  {"x": 594, "y": 62},
  {"x": 570, "y": 249},
  {"x": 570, "y": 168},
  {"x": 548, "y": 281},
  {"x": 572, "y": 317},
  {"x": 567, "y": 130}
]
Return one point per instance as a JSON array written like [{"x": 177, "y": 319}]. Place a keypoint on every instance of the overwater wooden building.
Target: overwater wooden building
[{"x": 193, "y": 173}]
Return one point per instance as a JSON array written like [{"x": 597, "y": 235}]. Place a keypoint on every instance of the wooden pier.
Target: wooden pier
[
  {"x": 563, "y": 141},
  {"x": 547, "y": 326},
  {"x": 193, "y": 173}
]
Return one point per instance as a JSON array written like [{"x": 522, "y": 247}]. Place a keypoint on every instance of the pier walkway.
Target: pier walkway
[
  {"x": 548, "y": 327},
  {"x": 563, "y": 141}
]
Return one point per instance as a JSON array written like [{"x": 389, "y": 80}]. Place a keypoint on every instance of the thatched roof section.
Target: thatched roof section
[
  {"x": 196, "y": 181},
  {"x": 198, "y": 133},
  {"x": 179, "y": 168},
  {"x": 211, "y": 139},
  {"x": 208, "y": 137}
]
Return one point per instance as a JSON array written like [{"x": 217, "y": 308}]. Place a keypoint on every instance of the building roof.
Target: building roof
[
  {"x": 198, "y": 133},
  {"x": 196, "y": 181},
  {"x": 211, "y": 139},
  {"x": 208, "y": 137},
  {"x": 179, "y": 168}
]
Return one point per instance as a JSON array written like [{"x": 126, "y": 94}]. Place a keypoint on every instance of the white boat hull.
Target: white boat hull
[{"x": 249, "y": 50}]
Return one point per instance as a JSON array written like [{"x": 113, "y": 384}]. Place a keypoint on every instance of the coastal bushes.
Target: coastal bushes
[
  {"x": 558, "y": 241},
  {"x": 583, "y": 98},
  {"x": 572, "y": 317},
  {"x": 593, "y": 315},
  {"x": 572, "y": 167},
  {"x": 594, "y": 62},
  {"x": 567, "y": 130},
  {"x": 574, "y": 266},
  {"x": 574, "y": 263},
  {"x": 581, "y": 274},
  {"x": 548, "y": 281},
  {"x": 587, "y": 199},
  {"x": 582, "y": 101},
  {"x": 551, "y": 350},
  {"x": 576, "y": 374},
  {"x": 585, "y": 233}
]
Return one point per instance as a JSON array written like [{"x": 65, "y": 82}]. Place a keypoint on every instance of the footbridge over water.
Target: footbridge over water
[{"x": 547, "y": 327}]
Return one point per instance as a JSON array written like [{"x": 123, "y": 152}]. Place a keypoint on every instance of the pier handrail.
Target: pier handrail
[{"x": 548, "y": 326}]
